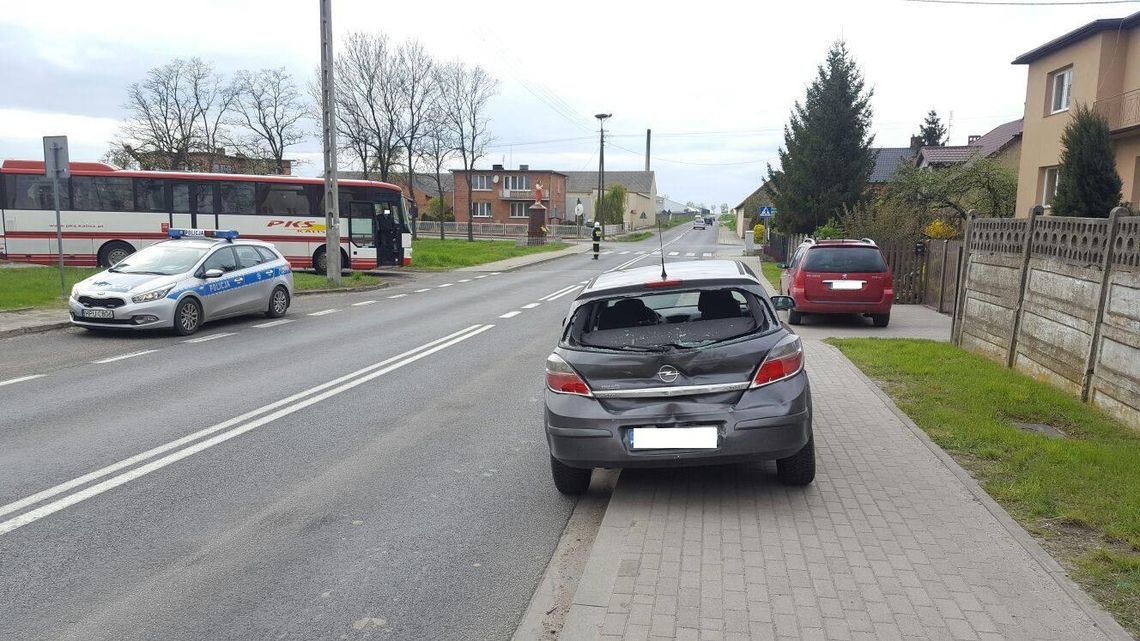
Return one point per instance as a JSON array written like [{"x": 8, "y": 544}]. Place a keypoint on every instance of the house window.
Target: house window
[
  {"x": 516, "y": 182},
  {"x": 1050, "y": 186},
  {"x": 1061, "y": 88},
  {"x": 519, "y": 210},
  {"x": 481, "y": 182},
  {"x": 482, "y": 210}
]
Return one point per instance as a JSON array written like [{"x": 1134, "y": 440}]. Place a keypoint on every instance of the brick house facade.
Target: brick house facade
[{"x": 504, "y": 195}]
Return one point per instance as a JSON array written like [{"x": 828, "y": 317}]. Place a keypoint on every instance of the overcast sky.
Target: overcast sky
[{"x": 715, "y": 80}]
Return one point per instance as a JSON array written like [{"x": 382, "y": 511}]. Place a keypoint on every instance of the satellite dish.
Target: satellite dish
[{"x": 495, "y": 179}]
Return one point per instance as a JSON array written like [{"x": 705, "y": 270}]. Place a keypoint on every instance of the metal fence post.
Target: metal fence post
[
  {"x": 1026, "y": 251},
  {"x": 942, "y": 274},
  {"x": 1105, "y": 270},
  {"x": 963, "y": 278}
]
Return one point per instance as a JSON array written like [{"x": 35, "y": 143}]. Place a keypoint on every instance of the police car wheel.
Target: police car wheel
[
  {"x": 278, "y": 303},
  {"x": 187, "y": 317}
]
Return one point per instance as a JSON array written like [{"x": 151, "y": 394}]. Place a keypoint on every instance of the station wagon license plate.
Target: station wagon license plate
[
  {"x": 673, "y": 438},
  {"x": 846, "y": 284},
  {"x": 98, "y": 313}
]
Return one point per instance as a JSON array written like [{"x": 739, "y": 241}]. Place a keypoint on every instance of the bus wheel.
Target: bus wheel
[
  {"x": 113, "y": 252},
  {"x": 321, "y": 262}
]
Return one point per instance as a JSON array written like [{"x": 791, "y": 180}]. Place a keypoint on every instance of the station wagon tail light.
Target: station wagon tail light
[
  {"x": 562, "y": 379},
  {"x": 784, "y": 360},
  {"x": 655, "y": 284}
]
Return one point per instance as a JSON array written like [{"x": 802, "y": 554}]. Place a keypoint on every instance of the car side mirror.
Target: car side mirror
[
  {"x": 782, "y": 265},
  {"x": 213, "y": 273},
  {"x": 783, "y": 303}
]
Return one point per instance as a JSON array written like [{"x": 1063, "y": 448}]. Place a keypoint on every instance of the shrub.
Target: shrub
[
  {"x": 833, "y": 229},
  {"x": 758, "y": 233},
  {"x": 940, "y": 229}
]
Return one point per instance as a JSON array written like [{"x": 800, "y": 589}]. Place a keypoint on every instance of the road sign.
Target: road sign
[
  {"x": 55, "y": 157},
  {"x": 767, "y": 212}
]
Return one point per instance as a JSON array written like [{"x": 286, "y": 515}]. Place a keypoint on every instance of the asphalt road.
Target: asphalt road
[{"x": 377, "y": 471}]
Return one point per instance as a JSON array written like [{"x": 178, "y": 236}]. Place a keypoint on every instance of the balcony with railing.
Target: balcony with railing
[
  {"x": 1122, "y": 111},
  {"x": 521, "y": 194}
]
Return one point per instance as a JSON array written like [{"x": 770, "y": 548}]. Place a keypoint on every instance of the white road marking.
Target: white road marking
[
  {"x": 511, "y": 314},
  {"x": 445, "y": 285},
  {"x": 480, "y": 276},
  {"x": 674, "y": 253},
  {"x": 370, "y": 302},
  {"x": 324, "y": 312},
  {"x": 583, "y": 282},
  {"x": 707, "y": 254},
  {"x": 655, "y": 252},
  {"x": 21, "y": 379},
  {"x": 124, "y": 356},
  {"x": 495, "y": 273},
  {"x": 531, "y": 305},
  {"x": 203, "y": 339},
  {"x": 569, "y": 291},
  {"x": 274, "y": 323},
  {"x": 622, "y": 253},
  {"x": 293, "y": 404},
  {"x": 687, "y": 254},
  {"x": 465, "y": 280},
  {"x": 397, "y": 295},
  {"x": 640, "y": 253},
  {"x": 605, "y": 252},
  {"x": 420, "y": 291},
  {"x": 554, "y": 293}
]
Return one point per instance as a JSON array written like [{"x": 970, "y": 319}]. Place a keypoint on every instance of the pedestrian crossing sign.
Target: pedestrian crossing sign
[{"x": 767, "y": 212}]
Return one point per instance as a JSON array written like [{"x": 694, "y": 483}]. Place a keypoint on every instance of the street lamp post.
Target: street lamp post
[{"x": 601, "y": 169}]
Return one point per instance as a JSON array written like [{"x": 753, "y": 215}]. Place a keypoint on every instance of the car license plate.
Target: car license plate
[
  {"x": 846, "y": 284},
  {"x": 98, "y": 313},
  {"x": 673, "y": 438}
]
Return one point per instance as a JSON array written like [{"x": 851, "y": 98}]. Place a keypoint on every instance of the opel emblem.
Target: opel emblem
[{"x": 668, "y": 373}]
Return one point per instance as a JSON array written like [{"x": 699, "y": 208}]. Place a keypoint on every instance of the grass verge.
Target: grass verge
[
  {"x": 633, "y": 237},
  {"x": 433, "y": 253},
  {"x": 1079, "y": 495},
  {"x": 303, "y": 281},
  {"x": 772, "y": 273},
  {"x": 37, "y": 286}
]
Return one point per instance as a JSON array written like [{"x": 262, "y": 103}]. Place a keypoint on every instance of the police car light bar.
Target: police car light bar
[{"x": 228, "y": 234}]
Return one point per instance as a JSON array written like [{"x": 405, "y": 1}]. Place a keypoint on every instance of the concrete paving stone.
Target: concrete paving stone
[{"x": 636, "y": 633}]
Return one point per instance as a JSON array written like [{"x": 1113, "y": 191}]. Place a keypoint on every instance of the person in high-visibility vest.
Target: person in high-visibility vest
[{"x": 597, "y": 236}]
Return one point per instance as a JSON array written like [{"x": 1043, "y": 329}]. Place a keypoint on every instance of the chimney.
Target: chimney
[
  {"x": 915, "y": 143},
  {"x": 524, "y": 167},
  {"x": 973, "y": 138},
  {"x": 496, "y": 167}
]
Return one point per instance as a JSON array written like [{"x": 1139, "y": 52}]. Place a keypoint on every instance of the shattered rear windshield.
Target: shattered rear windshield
[{"x": 659, "y": 321}]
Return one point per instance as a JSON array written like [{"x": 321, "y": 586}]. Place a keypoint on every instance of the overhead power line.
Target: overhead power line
[{"x": 1028, "y": 3}]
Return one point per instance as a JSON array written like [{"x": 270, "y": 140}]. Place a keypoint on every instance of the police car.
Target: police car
[{"x": 196, "y": 276}]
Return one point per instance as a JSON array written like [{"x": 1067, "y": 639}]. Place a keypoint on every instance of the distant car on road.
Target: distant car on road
[
  {"x": 197, "y": 276},
  {"x": 693, "y": 369},
  {"x": 698, "y": 222},
  {"x": 709, "y": 220},
  {"x": 839, "y": 277}
]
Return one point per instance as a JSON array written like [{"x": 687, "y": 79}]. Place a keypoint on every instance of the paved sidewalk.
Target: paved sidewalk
[
  {"x": 14, "y": 323},
  {"x": 511, "y": 264},
  {"x": 893, "y": 541}
]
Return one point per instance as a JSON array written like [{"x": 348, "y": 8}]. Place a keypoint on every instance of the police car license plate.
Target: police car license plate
[
  {"x": 673, "y": 438},
  {"x": 98, "y": 313}
]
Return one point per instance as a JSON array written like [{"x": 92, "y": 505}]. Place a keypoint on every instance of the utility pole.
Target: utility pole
[
  {"x": 648, "y": 136},
  {"x": 601, "y": 170},
  {"x": 328, "y": 128},
  {"x": 58, "y": 167}
]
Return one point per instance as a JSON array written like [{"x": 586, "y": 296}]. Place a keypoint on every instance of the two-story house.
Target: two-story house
[
  {"x": 502, "y": 195},
  {"x": 1099, "y": 65}
]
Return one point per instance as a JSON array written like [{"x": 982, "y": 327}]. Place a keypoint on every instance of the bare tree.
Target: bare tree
[
  {"x": 177, "y": 109},
  {"x": 415, "y": 88},
  {"x": 438, "y": 145},
  {"x": 268, "y": 107},
  {"x": 368, "y": 113},
  {"x": 469, "y": 89}
]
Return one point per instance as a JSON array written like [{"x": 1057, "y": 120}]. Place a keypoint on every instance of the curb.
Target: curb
[
  {"x": 341, "y": 290},
  {"x": 563, "y": 253},
  {"x": 15, "y": 309},
  {"x": 34, "y": 329},
  {"x": 1099, "y": 616}
]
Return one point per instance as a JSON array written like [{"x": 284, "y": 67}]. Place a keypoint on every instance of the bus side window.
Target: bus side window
[
  {"x": 150, "y": 194},
  {"x": 92, "y": 193},
  {"x": 236, "y": 197},
  {"x": 32, "y": 192}
]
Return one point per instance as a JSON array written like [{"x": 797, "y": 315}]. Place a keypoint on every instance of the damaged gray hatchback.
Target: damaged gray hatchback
[{"x": 689, "y": 368}]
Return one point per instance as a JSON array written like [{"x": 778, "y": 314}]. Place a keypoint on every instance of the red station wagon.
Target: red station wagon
[{"x": 839, "y": 277}]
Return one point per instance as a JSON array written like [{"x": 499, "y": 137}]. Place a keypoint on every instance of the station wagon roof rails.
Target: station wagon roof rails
[
  {"x": 868, "y": 241},
  {"x": 809, "y": 241}
]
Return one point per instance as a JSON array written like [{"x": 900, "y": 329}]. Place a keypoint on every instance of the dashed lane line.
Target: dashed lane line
[
  {"x": 324, "y": 312},
  {"x": 511, "y": 314},
  {"x": 273, "y": 323},
  {"x": 531, "y": 305},
  {"x": 123, "y": 356},
  {"x": 21, "y": 379},
  {"x": 203, "y": 339},
  {"x": 368, "y": 302}
]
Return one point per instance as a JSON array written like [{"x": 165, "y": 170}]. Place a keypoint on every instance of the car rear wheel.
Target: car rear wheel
[
  {"x": 569, "y": 480},
  {"x": 187, "y": 317},
  {"x": 278, "y": 302},
  {"x": 795, "y": 318},
  {"x": 799, "y": 468},
  {"x": 881, "y": 320}
]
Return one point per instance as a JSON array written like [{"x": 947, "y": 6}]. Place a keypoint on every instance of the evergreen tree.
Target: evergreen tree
[
  {"x": 1087, "y": 182},
  {"x": 827, "y": 156},
  {"x": 932, "y": 132}
]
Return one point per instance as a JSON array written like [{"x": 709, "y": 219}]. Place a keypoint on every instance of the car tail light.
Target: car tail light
[
  {"x": 784, "y": 360},
  {"x": 655, "y": 284},
  {"x": 562, "y": 378}
]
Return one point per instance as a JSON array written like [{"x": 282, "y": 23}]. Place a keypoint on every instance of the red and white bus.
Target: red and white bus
[{"x": 107, "y": 214}]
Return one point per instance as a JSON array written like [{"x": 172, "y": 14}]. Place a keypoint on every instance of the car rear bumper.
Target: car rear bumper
[
  {"x": 881, "y": 306},
  {"x": 771, "y": 422}
]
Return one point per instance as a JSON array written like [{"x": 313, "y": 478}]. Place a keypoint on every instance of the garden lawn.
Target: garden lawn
[
  {"x": 1079, "y": 495},
  {"x": 303, "y": 281},
  {"x": 772, "y": 273},
  {"x": 37, "y": 286},
  {"x": 633, "y": 237},
  {"x": 436, "y": 254}
]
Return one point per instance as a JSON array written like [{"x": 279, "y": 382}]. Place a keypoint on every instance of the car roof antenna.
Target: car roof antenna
[{"x": 661, "y": 243}]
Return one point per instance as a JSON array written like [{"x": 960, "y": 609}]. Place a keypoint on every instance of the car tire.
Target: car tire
[
  {"x": 795, "y": 318},
  {"x": 799, "y": 468},
  {"x": 113, "y": 252},
  {"x": 187, "y": 317},
  {"x": 569, "y": 480},
  {"x": 881, "y": 320},
  {"x": 278, "y": 302}
]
